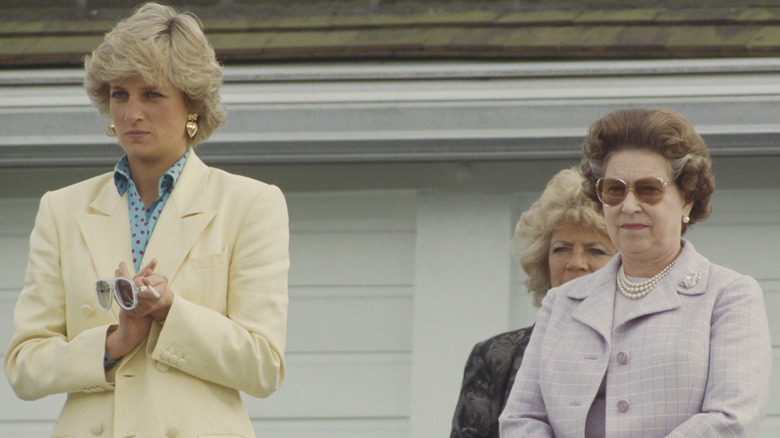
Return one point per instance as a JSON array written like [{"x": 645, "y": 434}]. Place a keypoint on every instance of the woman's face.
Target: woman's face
[
  {"x": 576, "y": 250},
  {"x": 150, "y": 120},
  {"x": 648, "y": 235}
]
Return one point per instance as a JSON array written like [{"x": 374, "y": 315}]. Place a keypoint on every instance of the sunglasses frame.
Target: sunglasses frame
[
  {"x": 632, "y": 188},
  {"x": 114, "y": 292}
]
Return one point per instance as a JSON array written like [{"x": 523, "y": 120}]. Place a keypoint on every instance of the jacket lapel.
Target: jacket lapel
[
  {"x": 105, "y": 228},
  {"x": 597, "y": 298},
  {"x": 688, "y": 276},
  {"x": 183, "y": 219},
  {"x": 661, "y": 299}
]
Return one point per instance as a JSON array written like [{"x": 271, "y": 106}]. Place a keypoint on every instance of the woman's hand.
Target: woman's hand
[
  {"x": 148, "y": 303},
  {"x": 134, "y": 325},
  {"x": 131, "y": 332}
]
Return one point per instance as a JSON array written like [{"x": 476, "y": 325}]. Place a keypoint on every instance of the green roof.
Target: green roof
[{"x": 250, "y": 31}]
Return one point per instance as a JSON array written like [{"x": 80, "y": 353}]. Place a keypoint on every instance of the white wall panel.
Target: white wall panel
[
  {"x": 339, "y": 386},
  {"x": 341, "y": 428},
  {"x": 462, "y": 287},
  {"x": 7, "y": 303},
  {"x": 772, "y": 302},
  {"x": 23, "y": 429},
  {"x": 343, "y": 319},
  {"x": 350, "y": 317},
  {"x": 17, "y": 215},
  {"x": 14, "y": 250},
  {"x": 774, "y": 396},
  {"x": 351, "y": 258},
  {"x": 747, "y": 248},
  {"x": 771, "y": 427},
  {"x": 13, "y": 410}
]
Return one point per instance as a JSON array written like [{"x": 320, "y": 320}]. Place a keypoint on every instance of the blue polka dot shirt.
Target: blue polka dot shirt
[{"x": 143, "y": 220}]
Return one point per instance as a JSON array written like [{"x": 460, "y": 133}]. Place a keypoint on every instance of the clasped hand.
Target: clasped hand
[{"x": 135, "y": 324}]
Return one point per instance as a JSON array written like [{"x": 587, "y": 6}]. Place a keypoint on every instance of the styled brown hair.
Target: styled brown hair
[{"x": 658, "y": 130}]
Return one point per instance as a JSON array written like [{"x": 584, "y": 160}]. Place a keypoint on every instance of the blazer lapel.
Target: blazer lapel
[
  {"x": 183, "y": 219},
  {"x": 661, "y": 299},
  {"x": 105, "y": 227},
  {"x": 688, "y": 276},
  {"x": 597, "y": 298}
]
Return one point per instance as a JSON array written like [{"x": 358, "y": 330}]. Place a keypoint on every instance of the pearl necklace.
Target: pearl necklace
[{"x": 636, "y": 291}]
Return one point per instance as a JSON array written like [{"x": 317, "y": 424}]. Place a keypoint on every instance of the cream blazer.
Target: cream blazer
[
  {"x": 223, "y": 242},
  {"x": 691, "y": 359}
]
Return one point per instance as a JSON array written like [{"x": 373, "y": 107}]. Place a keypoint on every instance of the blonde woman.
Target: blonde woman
[
  {"x": 561, "y": 237},
  {"x": 155, "y": 292}
]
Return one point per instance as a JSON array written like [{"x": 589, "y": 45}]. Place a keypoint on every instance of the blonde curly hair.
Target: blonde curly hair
[
  {"x": 563, "y": 201},
  {"x": 160, "y": 44}
]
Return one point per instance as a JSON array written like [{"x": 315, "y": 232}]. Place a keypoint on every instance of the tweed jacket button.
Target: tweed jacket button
[
  {"x": 96, "y": 429},
  {"x": 623, "y": 406},
  {"x": 172, "y": 432},
  {"x": 87, "y": 310},
  {"x": 622, "y": 358}
]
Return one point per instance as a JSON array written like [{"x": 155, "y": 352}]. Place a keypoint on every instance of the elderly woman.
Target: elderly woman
[
  {"x": 196, "y": 258},
  {"x": 562, "y": 237},
  {"x": 660, "y": 342}
]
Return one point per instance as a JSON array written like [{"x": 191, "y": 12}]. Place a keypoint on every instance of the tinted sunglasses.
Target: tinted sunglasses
[
  {"x": 613, "y": 191},
  {"x": 121, "y": 288}
]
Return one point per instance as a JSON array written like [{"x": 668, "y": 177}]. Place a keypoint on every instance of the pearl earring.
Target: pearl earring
[{"x": 686, "y": 219}]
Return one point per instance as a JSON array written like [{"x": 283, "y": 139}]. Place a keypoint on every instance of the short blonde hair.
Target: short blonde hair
[
  {"x": 160, "y": 45},
  {"x": 563, "y": 201}
]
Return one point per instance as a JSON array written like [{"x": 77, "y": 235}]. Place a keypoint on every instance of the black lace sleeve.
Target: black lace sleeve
[{"x": 487, "y": 379}]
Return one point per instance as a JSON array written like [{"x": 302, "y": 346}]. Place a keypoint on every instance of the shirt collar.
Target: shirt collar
[{"x": 165, "y": 185}]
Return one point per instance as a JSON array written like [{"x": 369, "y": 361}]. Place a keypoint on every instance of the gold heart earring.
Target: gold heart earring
[
  {"x": 192, "y": 126},
  {"x": 111, "y": 130}
]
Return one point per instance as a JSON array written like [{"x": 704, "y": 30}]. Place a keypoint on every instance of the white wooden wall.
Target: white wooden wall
[{"x": 389, "y": 289}]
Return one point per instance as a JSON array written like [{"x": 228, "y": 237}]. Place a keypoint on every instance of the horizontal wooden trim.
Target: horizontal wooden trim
[{"x": 411, "y": 112}]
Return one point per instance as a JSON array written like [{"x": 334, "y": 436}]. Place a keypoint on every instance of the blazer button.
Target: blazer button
[
  {"x": 173, "y": 359},
  {"x": 180, "y": 363},
  {"x": 623, "y": 406},
  {"x": 87, "y": 310},
  {"x": 622, "y": 358},
  {"x": 96, "y": 429},
  {"x": 165, "y": 355},
  {"x": 162, "y": 367}
]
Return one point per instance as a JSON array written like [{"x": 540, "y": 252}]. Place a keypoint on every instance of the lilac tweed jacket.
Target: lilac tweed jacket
[{"x": 691, "y": 359}]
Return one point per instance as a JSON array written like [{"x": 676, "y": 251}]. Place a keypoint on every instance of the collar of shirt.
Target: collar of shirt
[
  {"x": 143, "y": 220},
  {"x": 166, "y": 183}
]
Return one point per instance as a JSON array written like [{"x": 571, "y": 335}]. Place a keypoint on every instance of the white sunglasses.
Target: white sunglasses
[{"x": 123, "y": 289}]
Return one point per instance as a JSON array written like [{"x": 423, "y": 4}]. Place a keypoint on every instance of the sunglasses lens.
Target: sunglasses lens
[
  {"x": 125, "y": 293},
  {"x": 649, "y": 190},
  {"x": 103, "y": 289},
  {"x": 611, "y": 191}
]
